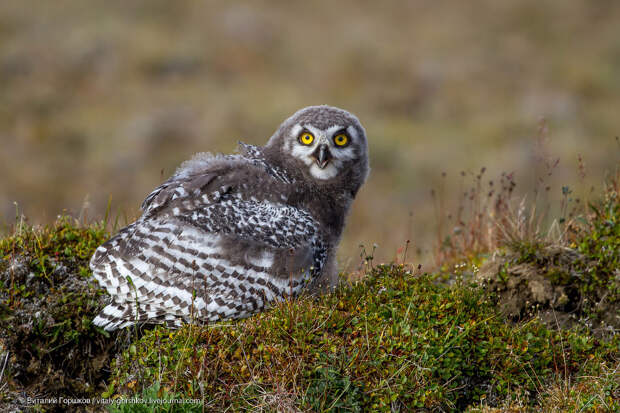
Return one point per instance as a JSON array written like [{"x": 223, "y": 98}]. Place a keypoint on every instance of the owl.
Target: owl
[{"x": 228, "y": 235}]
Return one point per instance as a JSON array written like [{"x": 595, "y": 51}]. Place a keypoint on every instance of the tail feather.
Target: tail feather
[
  {"x": 111, "y": 317},
  {"x": 121, "y": 315}
]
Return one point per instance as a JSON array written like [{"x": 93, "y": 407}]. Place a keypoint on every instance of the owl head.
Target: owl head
[{"x": 327, "y": 145}]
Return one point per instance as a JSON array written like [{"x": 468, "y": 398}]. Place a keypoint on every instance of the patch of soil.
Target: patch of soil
[
  {"x": 48, "y": 344},
  {"x": 550, "y": 287}
]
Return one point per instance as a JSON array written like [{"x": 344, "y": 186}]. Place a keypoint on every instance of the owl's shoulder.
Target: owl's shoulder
[{"x": 207, "y": 177}]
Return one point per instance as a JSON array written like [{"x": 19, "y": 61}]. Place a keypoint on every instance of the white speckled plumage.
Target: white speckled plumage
[{"x": 227, "y": 235}]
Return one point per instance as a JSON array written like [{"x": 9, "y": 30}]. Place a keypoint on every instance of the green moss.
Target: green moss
[
  {"x": 601, "y": 247},
  {"x": 394, "y": 339}
]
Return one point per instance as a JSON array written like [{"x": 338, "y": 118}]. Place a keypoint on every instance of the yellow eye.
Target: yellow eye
[
  {"x": 341, "y": 140},
  {"x": 306, "y": 138}
]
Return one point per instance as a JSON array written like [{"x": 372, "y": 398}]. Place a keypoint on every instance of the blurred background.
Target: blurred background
[{"x": 101, "y": 101}]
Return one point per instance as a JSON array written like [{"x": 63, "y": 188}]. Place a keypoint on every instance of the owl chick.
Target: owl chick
[{"x": 227, "y": 235}]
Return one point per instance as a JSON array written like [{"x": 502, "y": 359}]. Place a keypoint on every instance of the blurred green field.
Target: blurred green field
[{"x": 103, "y": 100}]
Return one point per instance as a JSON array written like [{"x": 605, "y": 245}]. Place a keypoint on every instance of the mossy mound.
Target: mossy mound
[
  {"x": 567, "y": 285},
  {"x": 47, "y": 302},
  {"x": 394, "y": 341}
]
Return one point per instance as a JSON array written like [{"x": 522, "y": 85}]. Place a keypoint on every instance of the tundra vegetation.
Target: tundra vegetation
[
  {"x": 518, "y": 309},
  {"x": 511, "y": 318}
]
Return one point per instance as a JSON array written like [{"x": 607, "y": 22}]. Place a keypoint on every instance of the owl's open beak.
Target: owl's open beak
[{"x": 322, "y": 156}]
